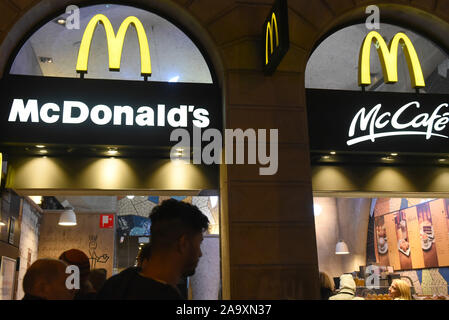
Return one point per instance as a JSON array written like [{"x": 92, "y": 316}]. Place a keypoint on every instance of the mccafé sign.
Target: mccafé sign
[
  {"x": 104, "y": 112},
  {"x": 380, "y": 121},
  {"x": 276, "y": 36}
]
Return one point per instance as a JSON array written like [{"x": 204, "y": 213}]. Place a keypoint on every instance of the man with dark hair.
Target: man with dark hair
[
  {"x": 176, "y": 234},
  {"x": 45, "y": 279}
]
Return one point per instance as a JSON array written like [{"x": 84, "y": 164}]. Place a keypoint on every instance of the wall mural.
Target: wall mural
[
  {"x": 93, "y": 256},
  {"x": 414, "y": 221}
]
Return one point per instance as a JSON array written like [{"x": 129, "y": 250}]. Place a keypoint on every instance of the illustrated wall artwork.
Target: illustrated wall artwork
[
  {"x": 415, "y": 237},
  {"x": 97, "y": 243}
]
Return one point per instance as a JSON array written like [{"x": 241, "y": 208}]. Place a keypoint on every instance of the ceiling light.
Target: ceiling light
[
  {"x": 112, "y": 151},
  {"x": 40, "y": 146},
  {"x": 61, "y": 21},
  {"x": 2, "y": 224},
  {"x": 333, "y": 153},
  {"x": 67, "y": 218},
  {"x": 387, "y": 159},
  {"x": 45, "y": 60},
  {"x": 326, "y": 157},
  {"x": 43, "y": 151},
  {"x": 213, "y": 201},
  {"x": 341, "y": 248},
  {"x": 36, "y": 199},
  {"x": 394, "y": 154},
  {"x": 317, "y": 210},
  {"x": 174, "y": 79},
  {"x": 442, "y": 160},
  {"x": 130, "y": 197}
]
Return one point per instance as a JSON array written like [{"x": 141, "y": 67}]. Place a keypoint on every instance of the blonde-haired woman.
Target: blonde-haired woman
[
  {"x": 400, "y": 290},
  {"x": 326, "y": 286}
]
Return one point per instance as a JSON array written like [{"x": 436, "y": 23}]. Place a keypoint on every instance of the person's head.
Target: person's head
[
  {"x": 97, "y": 278},
  {"x": 144, "y": 254},
  {"x": 78, "y": 258},
  {"x": 177, "y": 227},
  {"x": 347, "y": 283},
  {"x": 325, "y": 281},
  {"x": 46, "y": 278},
  {"x": 400, "y": 289}
]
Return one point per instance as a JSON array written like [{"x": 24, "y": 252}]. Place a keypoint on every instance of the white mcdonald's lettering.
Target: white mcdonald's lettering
[
  {"x": 271, "y": 25},
  {"x": 374, "y": 120},
  {"x": 77, "y": 112},
  {"x": 115, "y": 43}
]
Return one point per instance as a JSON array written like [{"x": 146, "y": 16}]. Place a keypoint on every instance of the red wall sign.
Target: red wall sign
[{"x": 106, "y": 221}]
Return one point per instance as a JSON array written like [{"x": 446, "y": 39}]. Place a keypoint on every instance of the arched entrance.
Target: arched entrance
[
  {"x": 363, "y": 195},
  {"x": 106, "y": 172}
]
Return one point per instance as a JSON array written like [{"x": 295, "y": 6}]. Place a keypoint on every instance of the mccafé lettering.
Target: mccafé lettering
[
  {"x": 77, "y": 112},
  {"x": 426, "y": 123}
]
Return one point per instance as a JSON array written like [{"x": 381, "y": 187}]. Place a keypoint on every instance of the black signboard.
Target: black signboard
[
  {"x": 103, "y": 112},
  {"x": 275, "y": 36},
  {"x": 378, "y": 121}
]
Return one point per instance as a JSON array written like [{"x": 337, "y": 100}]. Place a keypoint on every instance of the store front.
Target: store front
[
  {"x": 98, "y": 148},
  {"x": 262, "y": 218},
  {"x": 378, "y": 140}
]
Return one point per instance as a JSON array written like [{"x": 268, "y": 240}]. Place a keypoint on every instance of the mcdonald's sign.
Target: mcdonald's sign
[
  {"x": 115, "y": 43},
  {"x": 276, "y": 36},
  {"x": 388, "y": 56}
]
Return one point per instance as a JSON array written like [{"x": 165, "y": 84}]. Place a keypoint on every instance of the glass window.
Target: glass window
[
  {"x": 53, "y": 50},
  {"x": 334, "y": 63}
]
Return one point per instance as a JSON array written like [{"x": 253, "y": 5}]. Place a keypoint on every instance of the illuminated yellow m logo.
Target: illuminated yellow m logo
[
  {"x": 273, "y": 25},
  {"x": 389, "y": 59},
  {"x": 115, "y": 43}
]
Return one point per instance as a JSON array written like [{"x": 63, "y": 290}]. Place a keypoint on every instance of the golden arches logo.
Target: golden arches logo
[
  {"x": 115, "y": 43},
  {"x": 271, "y": 25},
  {"x": 389, "y": 59}
]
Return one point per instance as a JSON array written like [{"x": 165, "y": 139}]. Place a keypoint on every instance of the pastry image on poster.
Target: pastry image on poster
[
  {"x": 425, "y": 227},
  {"x": 403, "y": 241},
  {"x": 381, "y": 236},
  {"x": 381, "y": 241},
  {"x": 427, "y": 235}
]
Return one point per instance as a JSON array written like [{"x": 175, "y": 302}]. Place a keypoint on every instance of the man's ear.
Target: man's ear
[{"x": 183, "y": 243}]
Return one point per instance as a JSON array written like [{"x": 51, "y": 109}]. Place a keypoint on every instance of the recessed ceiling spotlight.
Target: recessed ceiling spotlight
[
  {"x": 326, "y": 157},
  {"x": 46, "y": 60},
  {"x": 387, "y": 159},
  {"x": 442, "y": 160},
  {"x": 61, "y": 21},
  {"x": 112, "y": 151},
  {"x": 43, "y": 151},
  {"x": 40, "y": 146},
  {"x": 394, "y": 154},
  {"x": 333, "y": 153}
]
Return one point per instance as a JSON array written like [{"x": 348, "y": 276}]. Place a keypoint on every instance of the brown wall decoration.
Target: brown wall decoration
[{"x": 96, "y": 243}]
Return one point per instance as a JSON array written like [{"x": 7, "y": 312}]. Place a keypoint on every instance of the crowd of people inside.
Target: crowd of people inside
[
  {"x": 177, "y": 230},
  {"x": 398, "y": 290}
]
